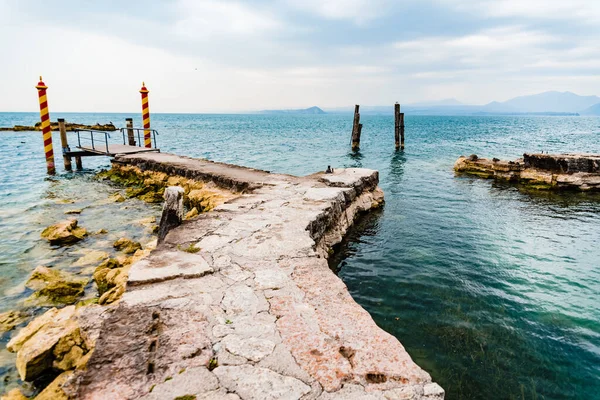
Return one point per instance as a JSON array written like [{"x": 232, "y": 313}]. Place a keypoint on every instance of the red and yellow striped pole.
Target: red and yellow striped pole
[
  {"x": 46, "y": 130},
  {"x": 146, "y": 116}
]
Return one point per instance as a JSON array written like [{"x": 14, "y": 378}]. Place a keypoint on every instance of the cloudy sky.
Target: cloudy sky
[{"x": 228, "y": 55}]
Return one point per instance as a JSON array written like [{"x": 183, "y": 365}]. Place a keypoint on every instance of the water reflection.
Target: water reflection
[
  {"x": 397, "y": 162},
  {"x": 355, "y": 158}
]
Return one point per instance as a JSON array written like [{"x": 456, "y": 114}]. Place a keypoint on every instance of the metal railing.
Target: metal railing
[
  {"x": 136, "y": 132},
  {"x": 91, "y": 139}
]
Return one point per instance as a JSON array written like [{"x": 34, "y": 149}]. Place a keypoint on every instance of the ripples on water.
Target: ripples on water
[{"x": 492, "y": 289}]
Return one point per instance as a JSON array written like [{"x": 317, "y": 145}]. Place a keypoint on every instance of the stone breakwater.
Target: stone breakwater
[
  {"x": 579, "y": 172},
  {"x": 239, "y": 302}
]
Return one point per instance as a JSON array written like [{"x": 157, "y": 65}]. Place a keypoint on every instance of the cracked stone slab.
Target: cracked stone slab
[
  {"x": 190, "y": 382},
  {"x": 167, "y": 265},
  {"x": 252, "y": 348},
  {"x": 251, "y": 382}
]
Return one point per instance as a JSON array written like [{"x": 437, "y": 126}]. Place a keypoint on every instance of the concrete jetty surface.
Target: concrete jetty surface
[{"x": 256, "y": 313}]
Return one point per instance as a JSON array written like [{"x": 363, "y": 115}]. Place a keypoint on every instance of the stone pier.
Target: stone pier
[{"x": 239, "y": 302}]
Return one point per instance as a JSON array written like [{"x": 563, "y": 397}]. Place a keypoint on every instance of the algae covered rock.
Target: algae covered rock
[
  {"x": 64, "y": 233},
  {"x": 127, "y": 246},
  {"x": 103, "y": 281},
  {"x": 192, "y": 213},
  {"x": 35, "y": 344},
  {"x": 54, "y": 287},
  {"x": 111, "y": 279},
  {"x": 10, "y": 319},
  {"x": 58, "y": 340}
]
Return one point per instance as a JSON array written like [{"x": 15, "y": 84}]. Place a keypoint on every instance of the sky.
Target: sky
[{"x": 233, "y": 56}]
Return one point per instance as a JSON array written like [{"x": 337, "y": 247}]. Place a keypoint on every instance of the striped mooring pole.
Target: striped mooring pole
[
  {"x": 146, "y": 116},
  {"x": 46, "y": 130}
]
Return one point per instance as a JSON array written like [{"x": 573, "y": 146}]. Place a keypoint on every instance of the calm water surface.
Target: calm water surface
[{"x": 492, "y": 289}]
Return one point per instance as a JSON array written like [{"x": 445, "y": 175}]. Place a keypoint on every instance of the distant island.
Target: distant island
[
  {"x": 547, "y": 103},
  {"x": 310, "y": 110}
]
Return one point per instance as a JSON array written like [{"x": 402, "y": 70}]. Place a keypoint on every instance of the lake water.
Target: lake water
[{"x": 492, "y": 289}]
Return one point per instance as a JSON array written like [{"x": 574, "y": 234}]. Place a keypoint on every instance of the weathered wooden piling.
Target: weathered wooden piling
[
  {"x": 78, "y": 163},
  {"x": 64, "y": 142},
  {"x": 46, "y": 130},
  {"x": 172, "y": 213},
  {"x": 397, "y": 125},
  {"x": 356, "y": 129},
  {"x": 401, "y": 130},
  {"x": 130, "y": 135}
]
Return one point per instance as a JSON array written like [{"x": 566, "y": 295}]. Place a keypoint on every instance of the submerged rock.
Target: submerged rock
[
  {"x": 90, "y": 257},
  {"x": 74, "y": 211},
  {"x": 10, "y": 319},
  {"x": 116, "y": 198},
  {"x": 64, "y": 233},
  {"x": 127, "y": 246},
  {"x": 54, "y": 287}
]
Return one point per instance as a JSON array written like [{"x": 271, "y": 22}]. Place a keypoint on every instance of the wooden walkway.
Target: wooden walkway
[{"x": 114, "y": 149}]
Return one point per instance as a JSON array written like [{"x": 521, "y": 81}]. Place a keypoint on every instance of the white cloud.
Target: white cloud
[
  {"x": 581, "y": 10},
  {"x": 358, "y": 11},
  {"x": 213, "y": 18}
]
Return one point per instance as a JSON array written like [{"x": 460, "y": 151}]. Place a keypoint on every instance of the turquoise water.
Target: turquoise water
[{"x": 492, "y": 289}]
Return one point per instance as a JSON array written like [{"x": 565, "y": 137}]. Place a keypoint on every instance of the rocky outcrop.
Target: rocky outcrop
[
  {"x": 254, "y": 311},
  {"x": 580, "y": 172},
  {"x": 149, "y": 185},
  {"x": 58, "y": 340},
  {"x": 54, "y": 287},
  {"x": 64, "y": 233},
  {"x": 111, "y": 280},
  {"x": 54, "y": 126}
]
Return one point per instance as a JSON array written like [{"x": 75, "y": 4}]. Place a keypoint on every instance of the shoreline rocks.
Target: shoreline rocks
[
  {"x": 575, "y": 172},
  {"x": 64, "y": 233},
  {"x": 54, "y": 287},
  {"x": 54, "y": 126}
]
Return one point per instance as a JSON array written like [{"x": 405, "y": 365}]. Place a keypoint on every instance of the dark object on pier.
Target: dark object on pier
[
  {"x": 356, "y": 129},
  {"x": 398, "y": 127},
  {"x": 495, "y": 159},
  {"x": 130, "y": 135},
  {"x": 329, "y": 170},
  {"x": 473, "y": 157},
  {"x": 172, "y": 213}
]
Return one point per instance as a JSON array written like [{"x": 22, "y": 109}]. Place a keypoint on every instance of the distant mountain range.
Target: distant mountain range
[
  {"x": 547, "y": 103},
  {"x": 310, "y": 110}
]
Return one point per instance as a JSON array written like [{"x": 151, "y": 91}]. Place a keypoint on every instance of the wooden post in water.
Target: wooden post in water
[
  {"x": 78, "y": 163},
  {"x": 172, "y": 213},
  {"x": 64, "y": 142},
  {"x": 130, "y": 135},
  {"x": 402, "y": 130},
  {"x": 397, "y": 124},
  {"x": 356, "y": 128}
]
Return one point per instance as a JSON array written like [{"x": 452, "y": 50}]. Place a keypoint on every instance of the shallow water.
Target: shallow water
[{"x": 492, "y": 289}]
